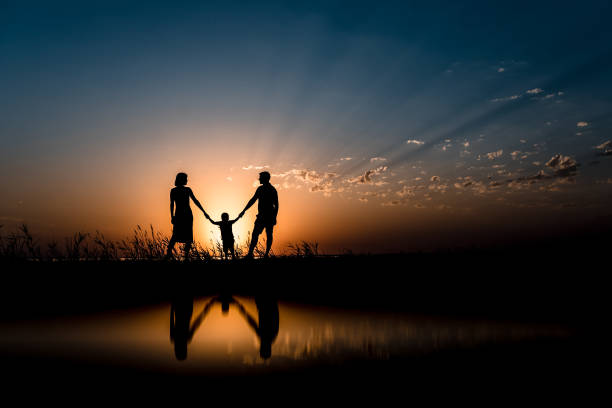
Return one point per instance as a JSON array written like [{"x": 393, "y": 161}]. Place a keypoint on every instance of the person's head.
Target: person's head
[
  {"x": 225, "y": 217},
  {"x": 181, "y": 179},
  {"x": 225, "y": 304},
  {"x": 264, "y": 177}
]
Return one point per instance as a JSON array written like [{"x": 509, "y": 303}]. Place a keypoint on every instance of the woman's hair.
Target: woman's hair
[{"x": 181, "y": 179}]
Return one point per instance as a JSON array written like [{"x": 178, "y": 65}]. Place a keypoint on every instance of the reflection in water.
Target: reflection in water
[
  {"x": 267, "y": 326},
  {"x": 182, "y": 328},
  {"x": 258, "y": 332}
]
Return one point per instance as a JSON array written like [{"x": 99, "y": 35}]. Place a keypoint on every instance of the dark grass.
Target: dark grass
[{"x": 481, "y": 284}]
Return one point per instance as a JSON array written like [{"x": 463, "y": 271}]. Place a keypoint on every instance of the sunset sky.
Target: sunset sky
[{"x": 386, "y": 126}]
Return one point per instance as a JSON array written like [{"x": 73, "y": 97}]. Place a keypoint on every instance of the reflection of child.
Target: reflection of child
[{"x": 227, "y": 237}]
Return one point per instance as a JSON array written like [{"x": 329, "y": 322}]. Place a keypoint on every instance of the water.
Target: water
[{"x": 238, "y": 335}]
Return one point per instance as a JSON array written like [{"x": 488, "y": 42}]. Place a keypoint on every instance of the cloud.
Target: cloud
[
  {"x": 367, "y": 177},
  {"x": 582, "y": 124},
  {"x": 441, "y": 188},
  {"x": 228, "y": 178},
  {"x": 326, "y": 189},
  {"x": 375, "y": 159},
  {"x": 414, "y": 141},
  {"x": 252, "y": 167},
  {"x": 391, "y": 203},
  {"x": 463, "y": 182},
  {"x": 346, "y": 158},
  {"x": 434, "y": 178},
  {"x": 534, "y": 91},
  {"x": 320, "y": 182},
  {"x": 606, "y": 148},
  {"x": 405, "y": 192},
  {"x": 563, "y": 166},
  {"x": 494, "y": 155},
  {"x": 508, "y": 98},
  {"x": 501, "y": 69}
]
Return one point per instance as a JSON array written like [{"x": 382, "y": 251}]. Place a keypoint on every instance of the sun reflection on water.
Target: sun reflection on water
[{"x": 232, "y": 340}]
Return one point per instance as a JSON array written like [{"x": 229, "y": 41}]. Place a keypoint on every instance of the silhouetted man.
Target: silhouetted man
[
  {"x": 267, "y": 326},
  {"x": 268, "y": 210}
]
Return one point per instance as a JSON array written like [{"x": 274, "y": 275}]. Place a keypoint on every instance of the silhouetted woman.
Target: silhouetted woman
[
  {"x": 182, "y": 328},
  {"x": 182, "y": 218}
]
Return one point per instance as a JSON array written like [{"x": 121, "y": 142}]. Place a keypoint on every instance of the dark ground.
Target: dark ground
[{"x": 546, "y": 285}]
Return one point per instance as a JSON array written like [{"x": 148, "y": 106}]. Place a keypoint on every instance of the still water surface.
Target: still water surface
[{"x": 234, "y": 334}]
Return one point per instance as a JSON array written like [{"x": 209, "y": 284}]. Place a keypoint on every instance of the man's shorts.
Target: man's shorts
[{"x": 261, "y": 223}]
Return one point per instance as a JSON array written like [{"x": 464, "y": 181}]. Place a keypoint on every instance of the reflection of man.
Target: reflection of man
[
  {"x": 268, "y": 210},
  {"x": 267, "y": 327}
]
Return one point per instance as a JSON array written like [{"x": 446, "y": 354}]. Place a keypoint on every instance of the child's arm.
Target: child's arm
[{"x": 237, "y": 218}]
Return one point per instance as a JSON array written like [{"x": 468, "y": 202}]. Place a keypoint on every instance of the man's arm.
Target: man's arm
[
  {"x": 250, "y": 203},
  {"x": 275, "y": 202},
  {"x": 250, "y": 320}
]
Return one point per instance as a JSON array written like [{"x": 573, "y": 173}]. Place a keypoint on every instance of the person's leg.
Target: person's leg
[
  {"x": 269, "y": 238},
  {"x": 187, "y": 250},
  {"x": 257, "y": 229},
  {"x": 170, "y": 249},
  {"x": 232, "y": 251}
]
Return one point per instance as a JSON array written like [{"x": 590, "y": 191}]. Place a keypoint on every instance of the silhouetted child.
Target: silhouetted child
[{"x": 227, "y": 237}]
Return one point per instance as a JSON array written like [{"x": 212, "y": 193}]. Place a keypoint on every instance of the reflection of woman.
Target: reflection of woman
[
  {"x": 267, "y": 328},
  {"x": 181, "y": 328},
  {"x": 181, "y": 216}
]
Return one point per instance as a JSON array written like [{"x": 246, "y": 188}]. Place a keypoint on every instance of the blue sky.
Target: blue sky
[{"x": 438, "y": 105}]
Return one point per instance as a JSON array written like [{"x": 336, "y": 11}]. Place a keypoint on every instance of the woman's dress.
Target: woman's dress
[{"x": 183, "y": 218}]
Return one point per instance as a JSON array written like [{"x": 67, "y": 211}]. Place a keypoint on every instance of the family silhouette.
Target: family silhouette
[
  {"x": 182, "y": 217},
  {"x": 183, "y": 328}
]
